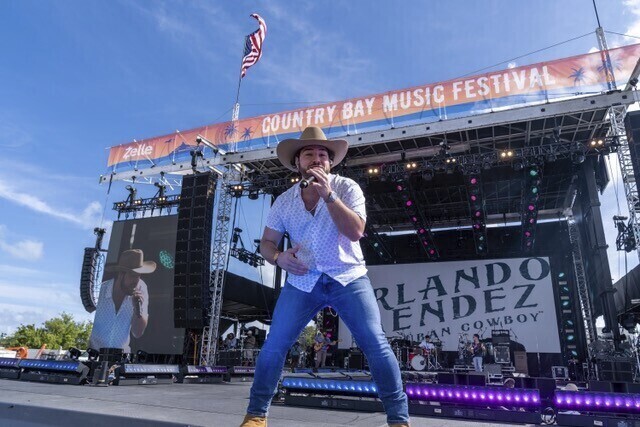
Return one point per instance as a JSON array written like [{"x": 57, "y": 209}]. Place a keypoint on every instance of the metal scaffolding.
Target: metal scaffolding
[
  {"x": 617, "y": 130},
  {"x": 219, "y": 257},
  {"x": 581, "y": 282}
]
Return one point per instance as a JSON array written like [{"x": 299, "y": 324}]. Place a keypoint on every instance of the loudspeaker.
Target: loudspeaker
[
  {"x": 87, "y": 279},
  {"x": 477, "y": 379},
  {"x": 493, "y": 369},
  {"x": 615, "y": 371},
  {"x": 191, "y": 294},
  {"x": 446, "y": 378},
  {"x": 356, "y": 360},
  {"x": 330, "y": 322},
  {"x": 501, "y": 353},
  {"x": 520, "y": 362}
]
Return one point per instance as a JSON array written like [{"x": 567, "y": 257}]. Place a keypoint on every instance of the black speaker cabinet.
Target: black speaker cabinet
[{"x": 191, "y": 294}]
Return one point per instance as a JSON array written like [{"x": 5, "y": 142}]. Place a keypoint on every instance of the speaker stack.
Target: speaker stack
[{"x": 192, "y": 297}]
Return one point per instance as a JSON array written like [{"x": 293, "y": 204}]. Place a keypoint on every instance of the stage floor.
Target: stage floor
[{"x": 28, "y": 404}]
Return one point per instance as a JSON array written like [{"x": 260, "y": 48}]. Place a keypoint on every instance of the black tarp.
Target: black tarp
[{"x": 247, "y": 300}]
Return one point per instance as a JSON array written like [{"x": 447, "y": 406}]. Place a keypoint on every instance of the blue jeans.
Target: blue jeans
[
  {"x": 356, "y": 305},
  {"x": 477, "y": 363}
]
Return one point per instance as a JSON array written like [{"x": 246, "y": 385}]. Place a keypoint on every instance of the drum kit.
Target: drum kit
[{"x": 411, "y": 356}]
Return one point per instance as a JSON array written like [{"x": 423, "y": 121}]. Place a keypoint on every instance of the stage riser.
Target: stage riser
[
  {"x": 475, "y": 414},
  {"x": 594, "y": 420},
  {"x": 334, "y": 403},
  {"x": 143, "y": 381},
  {"x": 203, "y": 380},
  {"x": 51, "y": 378}
]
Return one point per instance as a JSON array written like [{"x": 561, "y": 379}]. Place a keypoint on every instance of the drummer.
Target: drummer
[{"x": 427, "y": 346}]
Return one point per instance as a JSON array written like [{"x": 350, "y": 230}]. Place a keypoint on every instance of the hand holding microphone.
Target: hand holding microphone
[{"x": 305, "y": 182}]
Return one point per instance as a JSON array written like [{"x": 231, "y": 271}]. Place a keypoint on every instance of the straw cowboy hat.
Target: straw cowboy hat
[
  {"x": 132, "y": 260},
  {"x": 312, "y": 135}
]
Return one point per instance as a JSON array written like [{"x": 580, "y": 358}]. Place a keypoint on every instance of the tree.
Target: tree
[
  {"x": 307, "y": 337},
  {"x": 62, "y": 331}
]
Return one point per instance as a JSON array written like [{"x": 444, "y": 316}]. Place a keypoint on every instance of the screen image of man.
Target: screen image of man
[{"x": 123, "y": 303}]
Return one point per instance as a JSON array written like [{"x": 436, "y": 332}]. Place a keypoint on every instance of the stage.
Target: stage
[{"x": 26, "y": 404}]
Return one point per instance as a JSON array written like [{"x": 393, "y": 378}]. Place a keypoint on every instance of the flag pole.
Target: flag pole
[{"x": 236, "y": 107}]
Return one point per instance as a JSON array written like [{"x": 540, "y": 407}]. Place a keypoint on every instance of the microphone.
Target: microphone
[
  {"x": 305, "y": 182},
  {"x": 139, "y": 307}
]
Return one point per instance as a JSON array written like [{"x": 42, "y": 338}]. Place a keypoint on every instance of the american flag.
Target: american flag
[{"x": 253, "y": 45}]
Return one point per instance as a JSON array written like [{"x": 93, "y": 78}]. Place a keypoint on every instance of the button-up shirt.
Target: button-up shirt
[
  {"x": 322, "y": 247},
  {"x": 112, "y": 328}
]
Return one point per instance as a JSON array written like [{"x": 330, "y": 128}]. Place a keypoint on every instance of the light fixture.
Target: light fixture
[
  {"x": 473, "y": 395},
  {"x": 593, "y": 401},
  {"x": 330, "y": 386}
]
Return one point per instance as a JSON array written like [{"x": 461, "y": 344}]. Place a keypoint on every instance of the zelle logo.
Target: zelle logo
[{"x": 140, "y": 150}]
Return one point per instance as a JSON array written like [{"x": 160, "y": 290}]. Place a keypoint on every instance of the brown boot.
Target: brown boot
[
  {"x": 399, "y": 425},
  {"x": 254, "y": 421}
]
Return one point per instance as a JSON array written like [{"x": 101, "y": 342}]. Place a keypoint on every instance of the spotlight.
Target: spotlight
[
  {"x": 92, "y": 354},
  {"x": 518, "y": 164},
  {"x": 253, "y": 194},
  {"x": 577, "y": 158},
  {"x": 411, "y": 165},
  {"x": 373, "y": 171},
  {"x": 428, "y": 175},
  {"x": 74, "y": 353},
  {"x": 294, "y": 180}
]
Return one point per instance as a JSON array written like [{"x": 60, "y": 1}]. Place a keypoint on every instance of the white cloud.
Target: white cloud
[
  {"x": 26, "y": 249},
  {"x": 88, "y": 218}
]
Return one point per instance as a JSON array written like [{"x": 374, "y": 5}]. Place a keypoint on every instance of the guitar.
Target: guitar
[{"x": 318, "y": 346}]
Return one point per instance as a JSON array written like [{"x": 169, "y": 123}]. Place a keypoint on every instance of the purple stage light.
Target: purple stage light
[
  {"x": 474, "y": 181},
  {"x": 598, "y": 401},
  {"x": 409, "y": 203},
  {"x": 473, "y": 395}
]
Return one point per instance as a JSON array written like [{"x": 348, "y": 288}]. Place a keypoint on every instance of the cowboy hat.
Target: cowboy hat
[
  {"x": 132, "y": 261},
  {"x": 312, "y": 135}
]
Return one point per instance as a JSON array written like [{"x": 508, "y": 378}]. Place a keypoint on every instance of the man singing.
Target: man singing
[
  {"x": 123, "y": 303},
  {"x": 325, "y": 268}
]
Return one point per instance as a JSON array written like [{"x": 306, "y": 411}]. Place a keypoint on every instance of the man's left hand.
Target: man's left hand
[{"x": 321, "y": 183}]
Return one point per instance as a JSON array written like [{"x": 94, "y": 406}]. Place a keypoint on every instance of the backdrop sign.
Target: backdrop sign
[
  {"x": 491, "y": 91},
  {"x": 467, "y": 297}
]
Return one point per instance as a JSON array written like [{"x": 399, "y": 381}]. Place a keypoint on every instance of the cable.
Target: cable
[
  {"x": 624, "y": 35},
  {"x": 527, "y": 54}
]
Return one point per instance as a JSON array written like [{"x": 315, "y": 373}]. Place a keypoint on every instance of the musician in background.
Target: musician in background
[
  {"x": 294, "y": 352},
  {"x": 427, "y": 346},
  {"x": 477, "y": 350},
  {"x": 323, "y": 342}
]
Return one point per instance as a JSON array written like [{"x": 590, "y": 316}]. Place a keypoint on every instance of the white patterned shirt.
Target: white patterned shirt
[
  {"x": 322, "y": 247},
  {"x": 110, "y": 328}
]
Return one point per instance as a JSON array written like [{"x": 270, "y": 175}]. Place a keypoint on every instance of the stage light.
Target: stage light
[
  {"x": 473, "y": 395},
  {"x": 294, "y": 180},
  {"x": 592, "y": 401},
  {"x": 254, "y": 194},
  {"x": 411, "y": 165},
  {"x": 518, "y": 164},
  {"x": 92, "y": 354},
  {"x": 330, "y": 386},
  {"x": 9, "y": 368},
  {"x": 428, "y": 175},
  {"x": 243, "y": 370},
  {"x": 53, "y": 371},
  {"x": 74, "y": 353},
  {"x": 373, "y": 171},
  {"x": 577, "y": 158}
]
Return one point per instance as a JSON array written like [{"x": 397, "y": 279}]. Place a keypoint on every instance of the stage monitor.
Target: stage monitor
[{"x": 135, "y": 304}]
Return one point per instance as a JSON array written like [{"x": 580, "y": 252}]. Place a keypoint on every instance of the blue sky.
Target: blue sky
[{"x": 79, "y": 76}]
